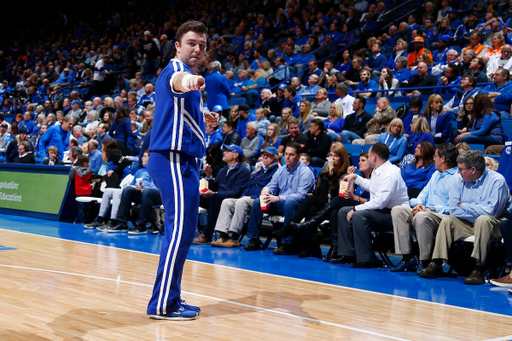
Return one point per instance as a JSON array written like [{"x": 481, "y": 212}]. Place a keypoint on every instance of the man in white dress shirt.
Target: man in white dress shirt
[
  {"x": 355, "y": 223},
  {"x": 345, "y": 99}
]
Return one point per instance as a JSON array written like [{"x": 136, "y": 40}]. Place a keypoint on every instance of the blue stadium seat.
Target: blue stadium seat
[
  {"x": 507, "y": 127},
  {"x": 235, "y": 101},
  {"x": 366, "y": 148},
  {"x": 354, "y": 149},
  {"x": 479, "y": 147},
  {"x": 355, "y": 160}
]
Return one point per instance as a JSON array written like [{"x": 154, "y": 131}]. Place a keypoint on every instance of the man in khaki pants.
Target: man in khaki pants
[
  {"x": 478, "y": 199},
  {"x": 427, "y": 211}
]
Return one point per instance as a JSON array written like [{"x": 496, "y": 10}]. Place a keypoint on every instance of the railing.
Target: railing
[{"x": 394, "y": 12}]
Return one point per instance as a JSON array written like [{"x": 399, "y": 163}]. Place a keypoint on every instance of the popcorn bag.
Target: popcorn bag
[
  {"x": 203, "y": 185},
  {"x": 263, "y": 204},
  {"x": 343, "y": 188}
]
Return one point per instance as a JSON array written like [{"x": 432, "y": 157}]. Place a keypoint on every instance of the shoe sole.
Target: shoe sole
[
  {"x": 172, "y": 318},
  {"x": 229, "y": 246},
  {"x": 502, "y": 285},
  {"x": 90, "y": 227},
  {"x": 136, "y": 233},
  {"x": 116, "y": 231}
]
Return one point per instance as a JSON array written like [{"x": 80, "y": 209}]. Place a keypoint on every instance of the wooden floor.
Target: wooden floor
[{"x": 53, "y": 289}]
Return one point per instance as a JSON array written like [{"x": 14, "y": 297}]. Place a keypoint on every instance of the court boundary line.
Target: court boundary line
[
  {"x": 275, "y": 275},
  {"x": 504, "y": 338},
  {"x": 258, "y": 309}
]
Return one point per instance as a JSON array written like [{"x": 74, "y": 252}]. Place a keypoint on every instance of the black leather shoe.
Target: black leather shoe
[
  {"x": 119, "y": 227},
  {"x": 254, "y": 244},
  {"x": 367, "y": 265},
  {"x": 284, "y": 249},
  {"x": 333, "y": 252},
  {"x": 343, "y": 259},
  {"x": 476, "y": 278},
  {"x": 431, "y": 271}
]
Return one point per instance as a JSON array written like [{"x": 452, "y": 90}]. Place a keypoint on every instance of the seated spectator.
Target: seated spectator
[
  {"x": 343, "y": 65},
  {"x": 442, "y": 48},
  {"x": 148, "y": 97},
  {"x": 25, "y": 154},
  {"x": 494, "y": 52},
  {"x": 420, "y": 131},
  {"x": 395, "y": 140},
  {"x": 387, "y": 81},
  {"x": 321, "y": 106},
  {"x": 305, "y": 115},
  {"x": 478, "y": 198},
  {"x": 53, "y": 157},
  {"x": 474, "y": 44},
  {"x": 491, "y": 163},
  {"x": 477, "y": 68},
  {"x": 413, "y": 58},
  {"x": 214, "y": 158},
  {"x": 352, "y": 75},
  {"x": 423, "y": 80},
  {"x": 283, "y": 121},
  {"x": 312, "y": 87},
  {"x": 230, "y": 182},
  {"x": 244, "y": 88},
  {"x": 382, "y": 116},
  {"x": 318, "y": 143},
  {"x": 229, "y": 135},
  {"x": 504, "y": 62},
  {"x": 366, "y": 84},
  {"x": 78, "y": 134},
  {"x": 276, "y": 101},
  {"x": 425, "y": 213},
  {"x": 233, "y": 212},
  {"x": 213, "y": 135},
  {"x": 4, "y": 134},
  {"x": 465, "y": 117},
  {"x": 262, "y": 121},
  {"x": 28, "y": 123},
  {"x": 335, "y": 121},
  {"x": 292, "y": 100},
  {"x": 93, "y": 117},
  {"x": 345, "y": 99},
  {"x": 80, "y": 177},
  {"x": 487, "y": 128},
  {"x": 272, "y": 139},
  {"x": 36, "y": 139},
  {"x": 401, "y": 72},
  {"x": 259, "y": 82},
  {"x": 376, "y": 61},
  {"x": 41, "y": 120},
  {"x": 95, "y": 160},
  {"x": 326, "y": 189},
  {"x": 251, "y": 143},
  {"x": 440, "y": 122},
  {"x": 355, "y": 223},
  {"x": 244, "y": 117},
  {"x": 451, "y": 77},
  {"x": 355, "y": 123},
  {"x": 467, "y": 89},
  {"x": 417, "y": 174},
  {"x": 451, "y": 57},
  {"x": 11, "y": 151},
  {"x": 142, "y": 190},
  {"x": 283, "y": 194},
  {"x": 501, "y": 85}
]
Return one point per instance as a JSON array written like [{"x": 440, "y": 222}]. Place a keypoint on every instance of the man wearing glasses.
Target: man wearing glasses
[
  {"x": 478, "y": 202},
  {"x": 474, "y": 44}
]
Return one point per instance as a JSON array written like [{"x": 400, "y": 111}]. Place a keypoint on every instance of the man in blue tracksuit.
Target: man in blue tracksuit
[
  {"x": 177, "y": 144},
  {"x": 58, "y": 136}
]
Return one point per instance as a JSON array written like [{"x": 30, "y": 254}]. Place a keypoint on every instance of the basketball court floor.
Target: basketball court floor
[{"x": 61, "y": 282}]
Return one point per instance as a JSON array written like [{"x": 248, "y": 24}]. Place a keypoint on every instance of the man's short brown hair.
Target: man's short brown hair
[{"x": 195, "y": 26}]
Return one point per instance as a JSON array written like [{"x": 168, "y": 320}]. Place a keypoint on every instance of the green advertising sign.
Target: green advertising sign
[{"x": 33, "y": 192}]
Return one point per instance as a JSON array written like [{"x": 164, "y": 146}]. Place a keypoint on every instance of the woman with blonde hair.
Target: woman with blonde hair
[
  {"x": 272, "y": 138},
  {"x": 335, "y": 122},
  {"x": 420, "y": 131},
  {"x": 462, "y": 147},
  {"x": 498, "y": 40},
  {"x": 439, "y": 121},
  {"x": 282, "y": 122},
  {"x": 491, "y": 163},
  {"x": 305, "y": 115},
  {"x": 395, "y": 140}
]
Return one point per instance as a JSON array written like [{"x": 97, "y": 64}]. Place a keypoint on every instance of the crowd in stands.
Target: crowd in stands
[{"x": 291, "y": 82}]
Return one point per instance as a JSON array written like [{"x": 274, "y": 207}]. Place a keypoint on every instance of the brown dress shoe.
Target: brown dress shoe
[
  {"x": 218, "y": 242},
  {"x": 230, "y": 243},
  {"x": 431, "y": 271},
  {"x": 476, "y": 278},
  {"x": 202, "y": 240},
  {"x": 504, "y": 282}
]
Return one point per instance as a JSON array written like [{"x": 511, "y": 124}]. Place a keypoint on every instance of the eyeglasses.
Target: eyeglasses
[{"x": 463, "y": 170}]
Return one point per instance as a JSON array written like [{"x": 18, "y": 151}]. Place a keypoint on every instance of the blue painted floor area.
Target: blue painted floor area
[{"x": 450, "y": 291}]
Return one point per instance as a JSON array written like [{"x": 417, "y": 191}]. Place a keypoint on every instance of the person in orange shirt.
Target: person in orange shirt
[
  {"x": 413, "y": 58},
  {"x": 474, "y": 44}
]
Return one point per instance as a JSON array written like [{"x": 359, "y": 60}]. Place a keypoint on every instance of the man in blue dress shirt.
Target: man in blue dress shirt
[
  {"x": 478, "y": 200},
  {"x": 426, "y": 211}
]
